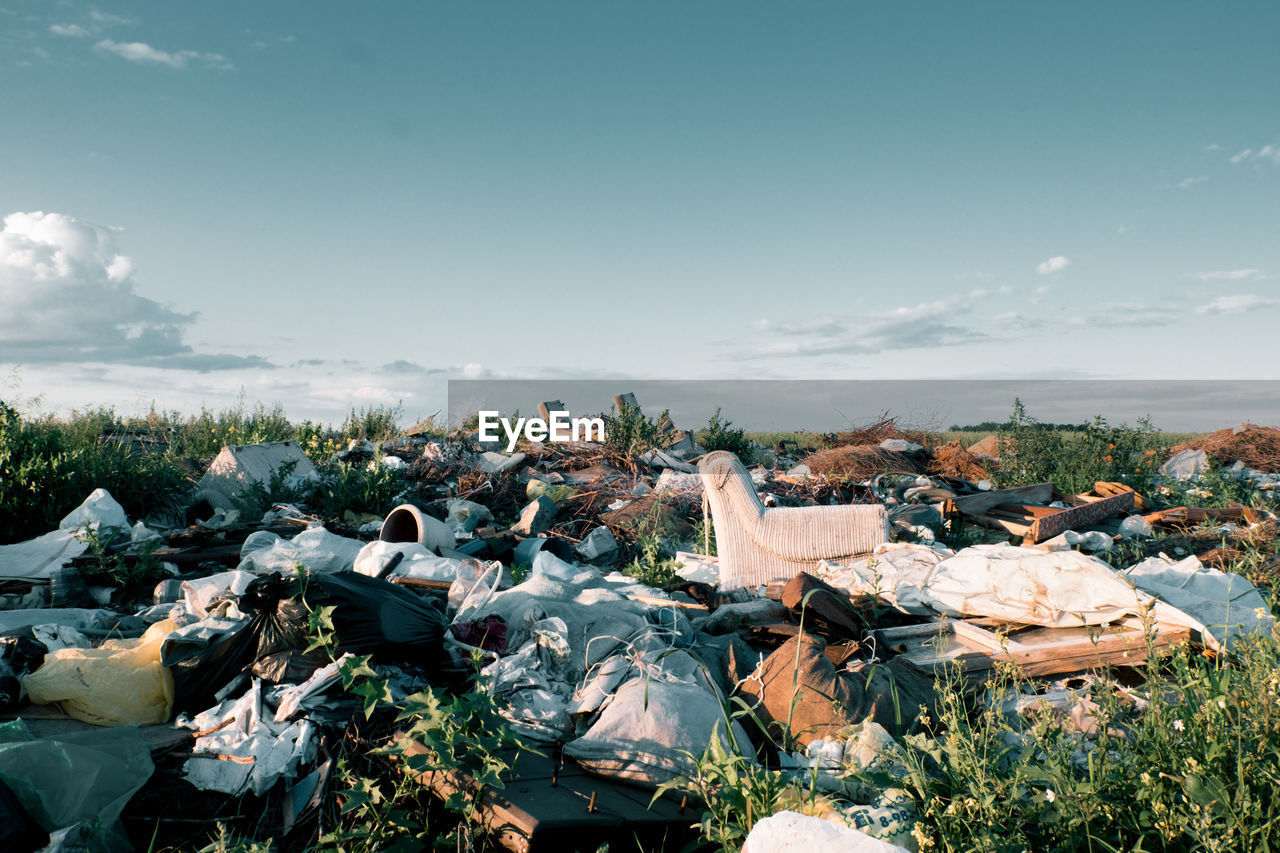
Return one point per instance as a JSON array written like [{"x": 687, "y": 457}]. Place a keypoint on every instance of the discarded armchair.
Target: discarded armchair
[{"x": 760, "y": 545}]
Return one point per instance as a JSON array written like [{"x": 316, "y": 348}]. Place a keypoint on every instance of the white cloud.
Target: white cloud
[
  {"x": 1228, "y": 275},
  {"x": 1055, "y": 264},
  {"x": 109, "y": 20},
  {"x": 70, "y": 31},
  {"x": 144, "y": 54},
  {"x": 1265, "y": 154},
  {"x": 67, "y": 295},
  {"x": 1043, "y": 289},
  {"x": 1188, "y": 183},
  {"x": 1237, "y": 303},
  {"x": 940, "y": 323}
]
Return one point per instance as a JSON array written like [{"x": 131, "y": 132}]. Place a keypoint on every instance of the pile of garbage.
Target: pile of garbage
[{"x": 225, "y": 684}]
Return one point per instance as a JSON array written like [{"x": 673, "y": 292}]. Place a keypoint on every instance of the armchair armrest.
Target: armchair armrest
[{"x": 813, "y": 533}]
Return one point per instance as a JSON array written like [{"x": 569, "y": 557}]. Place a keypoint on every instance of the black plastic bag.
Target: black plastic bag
[
  {"x": 19, "y": 656},
  {"x": 278, "y": 623},
  {"x": 373, "y": 616},
  {"x": 370, "y": 616}
]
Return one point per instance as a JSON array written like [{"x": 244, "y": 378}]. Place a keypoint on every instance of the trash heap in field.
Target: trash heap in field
[{"x": 829, "y": 601}]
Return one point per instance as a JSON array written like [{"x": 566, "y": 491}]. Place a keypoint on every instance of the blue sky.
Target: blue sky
[{"x": 330, "y": 205}]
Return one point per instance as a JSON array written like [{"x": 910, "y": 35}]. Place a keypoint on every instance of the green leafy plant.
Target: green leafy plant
[
  {"x": 632, "y": 433},
  {"x": 1073, "y": 460},
  {"x": 134, "y": 581},
  {"x": 359, "y": 488},
  {"x": 736, "y": 791},
  {"x": 720, "y": 434}
]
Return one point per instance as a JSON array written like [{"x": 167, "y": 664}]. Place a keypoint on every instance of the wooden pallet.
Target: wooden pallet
[{"x": 1036, "y": 651}]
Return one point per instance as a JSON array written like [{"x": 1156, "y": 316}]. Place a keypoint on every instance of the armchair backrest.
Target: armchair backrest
[{"x": 729, "y": 487}]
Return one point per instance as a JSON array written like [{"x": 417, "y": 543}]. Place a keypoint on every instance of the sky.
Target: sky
[{"x": 345, "y": 205}]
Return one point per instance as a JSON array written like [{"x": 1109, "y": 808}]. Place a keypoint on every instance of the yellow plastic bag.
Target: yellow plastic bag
[{"x": 119, "y": 683}]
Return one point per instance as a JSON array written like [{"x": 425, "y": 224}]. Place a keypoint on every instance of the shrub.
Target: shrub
[
  {"x": 33, "y": 466},
  {"x": 632, "y": 433},
  {"x": 1193, "y": 766},
  {"x": 372, "y": 488},
  {"x": 1073, "y": 460},
  {"x": 720, "y": 435},
  {"x": 43, "y": 476}
]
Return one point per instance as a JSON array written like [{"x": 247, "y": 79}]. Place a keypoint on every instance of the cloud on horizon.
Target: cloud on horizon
[
  {"x": 1237, "y": 303},
  {"x": 940, "y": 323},
  {"x": 1265, "y": 154},
  {"x": 67, "y": 296},
  {"x": 1228, "y": 275}
]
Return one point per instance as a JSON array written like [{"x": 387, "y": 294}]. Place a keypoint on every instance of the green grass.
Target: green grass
[{"x": 48, "y": 464}]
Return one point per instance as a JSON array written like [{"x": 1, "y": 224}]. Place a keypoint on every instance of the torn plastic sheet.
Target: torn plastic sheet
[
  {"x": 1058, "y": 589},
  {"x": 72, "y": 617},
  {"x": 240, "y": 749},
  {"x": 76, "y": 777},
  {"x": 316, "y": 548},
  {"x": 118, "y": 683},
  {"x": 1225, "y": 606},
  {"x": 200, "y": 593},
  {"x": 378, "y": 559},
  {"x": 39, "y": 558},
  {"x": 297, "y": 697}
]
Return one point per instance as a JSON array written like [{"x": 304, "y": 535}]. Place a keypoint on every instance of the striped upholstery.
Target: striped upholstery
[{"x": 758, "y": 545}]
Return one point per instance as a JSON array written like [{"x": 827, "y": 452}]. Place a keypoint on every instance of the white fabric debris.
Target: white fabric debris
[
  {"x": 243, "y": 750},
  {"x": 1224, "y": 605},
  {"x": 417, "y": 561},
  {"x": 699, "y": 568},
  {"x": 1185, "y": 465},
  {"x": 294, "y": 697},
  {"x": 199, "y": 593},
  {"x": 792, "y": 832}
]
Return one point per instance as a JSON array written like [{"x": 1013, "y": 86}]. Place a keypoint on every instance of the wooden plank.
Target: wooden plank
[
  {"x": 1108, "y": 489},
  {"x": 1079, "y": 516},
  {"x": 422, "y": 583},
  {"x": 1181, "y": 516},
  {"x": 983, "y": 637}
]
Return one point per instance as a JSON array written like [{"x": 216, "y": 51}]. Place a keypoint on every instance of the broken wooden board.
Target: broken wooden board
[
  {"x": 1182, "y": 516},
  {"x": 1037, "y": 523},
  {"x": 543, "y": 809},
  {"x": 1108, "y": 489},
  {"x": 1036, "y": 651}
]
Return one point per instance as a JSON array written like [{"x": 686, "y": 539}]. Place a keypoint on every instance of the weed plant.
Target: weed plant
[
  {"x": 1074, "y": 460},
  {"x": 720, "y": 434}
]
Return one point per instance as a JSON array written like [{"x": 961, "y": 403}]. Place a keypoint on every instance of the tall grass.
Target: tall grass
[{"x": 49, "y": 464}]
